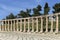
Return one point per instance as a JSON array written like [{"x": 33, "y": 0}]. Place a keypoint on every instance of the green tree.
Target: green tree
[
  {"x": 28, "y": 11},
  {"x": 11, "y": 16},
  {"x": 36, "y": 11},
  {"x": 56, "y": 8},
  {"x": 25, "y": 13},
  {"x": 39, "y": 8},
  {"x": 46, "y": 9},
  {"x": 21, "y": 14}
]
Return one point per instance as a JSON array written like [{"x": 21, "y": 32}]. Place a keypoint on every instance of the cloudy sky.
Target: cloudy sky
[{"x": 14, "y": 6}]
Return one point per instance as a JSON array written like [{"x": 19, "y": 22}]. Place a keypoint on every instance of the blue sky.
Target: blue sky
[{"x": 14, "y": 6}]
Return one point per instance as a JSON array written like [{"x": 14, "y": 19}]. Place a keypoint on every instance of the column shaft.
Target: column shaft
[
  {"x": 57, "y": 24},
  {"x": 8, "y": 25},
  {"x": 28, "y": 25},
  {"x": 11, "y": 25},
  {"x": 0, "y": 26},
  {"x": 46, "y": 24},
  {"x": 32, "y": 25},
  {"x": 5, "y": 25},
  {"x": 17, "y": 26},
  {"x": 21, "y": 25},
  {"x": 14, "y": 26},
  {"x": 36, "y": 24},
  {"x": 52, "y": 24},
  {"x": 41, "y": 24},
  {"x": 24, "y": 25}
]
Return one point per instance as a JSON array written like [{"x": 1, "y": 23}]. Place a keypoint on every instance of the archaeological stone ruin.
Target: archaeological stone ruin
[{"x": 45, "y": 27}]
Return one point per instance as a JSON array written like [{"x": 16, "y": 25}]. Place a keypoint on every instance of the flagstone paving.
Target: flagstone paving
[{"x": 28, "y": 36}]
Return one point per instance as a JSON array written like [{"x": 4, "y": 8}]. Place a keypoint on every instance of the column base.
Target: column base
[
  {"x": 41, "y": 32},
  {"x": 28, "y": 31},
  {"x": 14, "y": 30},
  {"x": 36, "y": 31},
  {"x": 32, "y": 31},
  {"x": 24, "y": 31},
  {"x": 56, "y": 31},
  {"x": 20, "y": 30},
  {"x": 46, "y": 31},
  {"x": 17, "y": 30},
  {"x": 51, "y": 31}
]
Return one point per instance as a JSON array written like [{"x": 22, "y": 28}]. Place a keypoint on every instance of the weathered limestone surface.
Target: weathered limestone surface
[{"x": 27, "y": 36}]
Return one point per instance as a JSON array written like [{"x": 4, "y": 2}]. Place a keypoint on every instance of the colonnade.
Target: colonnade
[{"x": 30, "y": 24}]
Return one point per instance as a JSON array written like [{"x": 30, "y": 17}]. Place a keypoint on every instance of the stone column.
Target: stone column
[
  {"x": 24, "y": 25},
  {"x": 11, "y": 25},
  {"x": 32, "y": 25},
  {"x": 0, "y": 25},
  {"x": 51, "y": 25},
  {"x": 14, "y": 26},
  {"x": 36, "y": 24},
  {"x": 20, "y": 25},
  {"x": 5, "y": 26},
  {"x": 41, "y": 25},
  {"x": 28, "y": 25},
  {"x": 17, "y": 26},
  {"x": 46, "y": 23},
  {"x": 56, "y": 23},
  {"x": 8, "y": 25}
]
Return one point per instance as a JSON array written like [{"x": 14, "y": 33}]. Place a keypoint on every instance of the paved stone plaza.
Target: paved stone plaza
[{"x": 28, "y": 36}]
